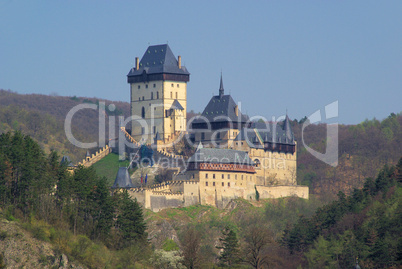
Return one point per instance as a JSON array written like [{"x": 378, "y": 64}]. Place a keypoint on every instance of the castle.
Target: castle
[{"x": 235, "y": 158}]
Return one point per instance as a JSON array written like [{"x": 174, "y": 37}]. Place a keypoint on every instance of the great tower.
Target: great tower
[{"x": 158, "y": 90}]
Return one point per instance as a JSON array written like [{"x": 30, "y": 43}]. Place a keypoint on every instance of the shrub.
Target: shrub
[
  {"x": 169, "y": 245},
  {"x": 3, "y": 235}
]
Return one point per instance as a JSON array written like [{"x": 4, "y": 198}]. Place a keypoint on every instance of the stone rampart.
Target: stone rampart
[
  {"x": 97, "y": 156},
  {"x": 283, "y": 191}
]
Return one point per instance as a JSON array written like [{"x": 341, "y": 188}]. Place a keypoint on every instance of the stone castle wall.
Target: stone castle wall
[
  {"x": 175, "y": 194},
  {"x": 97, "y": 156}
]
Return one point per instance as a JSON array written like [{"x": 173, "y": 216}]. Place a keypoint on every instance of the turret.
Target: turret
[{"x": 288, "y": 130}]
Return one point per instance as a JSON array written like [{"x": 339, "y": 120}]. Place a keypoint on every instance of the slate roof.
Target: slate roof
[
  {"x": 176, "y": 105},
  {"x": 267, "y": 132},
  {"x": 158, "y": 59},
  {"x": 122, "y": 179},
  {"x": 221, "y": 108},
  {"x": 66, "y": 160},
  {"x": 287, "y": 128},
  {"x": 224, "y": 156}
]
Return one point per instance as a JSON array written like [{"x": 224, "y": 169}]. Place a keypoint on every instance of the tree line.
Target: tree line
[{"x": 36, "y": 187}]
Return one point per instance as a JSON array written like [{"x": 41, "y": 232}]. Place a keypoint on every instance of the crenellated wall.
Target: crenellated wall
[
  {"x": 179, "y": 193},
  {"x": 96, "y": 156},
  {"x": 218, "y": 188},
  {"x": 160, "y": 154}
]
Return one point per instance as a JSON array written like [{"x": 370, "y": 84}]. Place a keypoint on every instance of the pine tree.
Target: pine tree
[
  {"x": 130, "y": 221},
  {"x": 229, "y": 246}
]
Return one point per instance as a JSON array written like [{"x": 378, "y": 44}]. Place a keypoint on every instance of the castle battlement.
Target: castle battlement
[{"x": 98, "y": 155}]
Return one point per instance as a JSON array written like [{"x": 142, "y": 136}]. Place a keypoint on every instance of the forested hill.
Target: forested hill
[
  {"x": 364, "y": 225},
  {"x": 363, "y": 149},
  {"x": 42, "y": 117}
]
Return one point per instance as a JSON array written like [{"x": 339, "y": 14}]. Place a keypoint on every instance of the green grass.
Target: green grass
[{"x": 109, "y": 166}]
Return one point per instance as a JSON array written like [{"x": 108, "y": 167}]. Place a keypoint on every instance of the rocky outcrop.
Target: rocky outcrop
[{"x": 18, "y": 249}]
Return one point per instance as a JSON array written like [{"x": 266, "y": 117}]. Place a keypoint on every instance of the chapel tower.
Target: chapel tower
[{"x": 158, "y": 90}]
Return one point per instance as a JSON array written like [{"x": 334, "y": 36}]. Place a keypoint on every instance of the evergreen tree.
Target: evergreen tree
[
  {"x": 229, "y": 247},
  {"x": 130, "y": 221}
]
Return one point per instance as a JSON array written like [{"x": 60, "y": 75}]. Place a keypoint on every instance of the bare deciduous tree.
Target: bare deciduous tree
[
  {"x": 190, "y": 247},
  {"x": 257, "y": 240}
]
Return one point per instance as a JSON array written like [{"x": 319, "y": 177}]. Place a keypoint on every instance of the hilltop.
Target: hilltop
[
  {"x": 42, "y": 117},
  {"x": 363, "y": 148},
  {"x": 84, "y": 220}
]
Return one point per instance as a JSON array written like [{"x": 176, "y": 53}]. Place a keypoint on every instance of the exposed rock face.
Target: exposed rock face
[{"x": 18, "y": 249}]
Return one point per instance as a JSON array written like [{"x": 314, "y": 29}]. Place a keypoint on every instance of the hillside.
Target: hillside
[
  {"x": 20, "y": 249},
  {"x": 363, "y": 148},
  {"x": 365, "y": 225},
  {"x": 42, "y": 117},
  {"x": 84, "y": 220}
]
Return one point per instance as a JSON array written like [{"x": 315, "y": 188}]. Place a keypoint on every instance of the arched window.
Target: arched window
[{"x": 143, "y": 113}]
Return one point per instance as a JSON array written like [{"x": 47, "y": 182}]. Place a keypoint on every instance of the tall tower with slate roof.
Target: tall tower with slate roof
[
  {"x": 158, "y": 90},
  {"x": 220, "y": 122}
]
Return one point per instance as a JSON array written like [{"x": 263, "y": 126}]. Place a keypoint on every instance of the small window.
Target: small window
[
  {"x": 152, "y": 95},
  {"x": 146, "y": 86},
  {"x": 223, "y": 176},
  {"x": 206, "y": 183},
  {"x": 223, "y": 184},
  {"x": 154, "y": 85},
  {"x": 176, "y": 95},
  {"x": 228, "y": 176},
  {"x": 139, "y": 98},
  {"x": 143, "y": 98},
  {"x": 154, "y": 129},
  {"x": 241, "y": 177},
  {"x": 235, "y": 176},
  {"x": 193, "y": 175},
  {"x": 202, "y": 136},
  {"x": 228, "y": 184},
  {"x": 213, "y": 183},
  {"x": 206, "y": 175},
  {"x": 139, "y": 86},
  {"x": 157, "y": 95},
  {"x": 171, "y": 95},
  {"x": 143, "y": 112},
  {"x": 178, "y": 85},
  {"x": 213, "y": 176},
  {"x": 172, "y": 85}
]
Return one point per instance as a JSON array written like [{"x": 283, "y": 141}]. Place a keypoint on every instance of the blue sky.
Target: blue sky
[{"x": 274, "y": 55}]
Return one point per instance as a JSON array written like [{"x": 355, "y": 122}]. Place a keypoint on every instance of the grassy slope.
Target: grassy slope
[{"x": 109, "y": 166}]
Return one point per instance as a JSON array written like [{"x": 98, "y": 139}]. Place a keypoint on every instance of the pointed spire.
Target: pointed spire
[
  {"x": 122, "y": 179},
  {"x": 288, "y": 129},
  {"x": 221, "y": 90}
]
